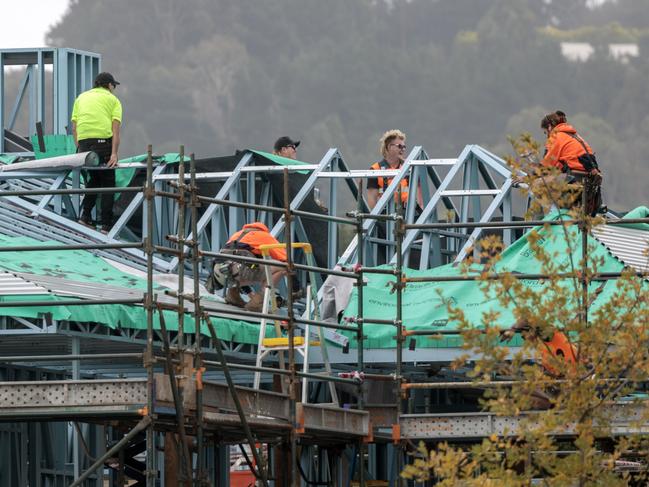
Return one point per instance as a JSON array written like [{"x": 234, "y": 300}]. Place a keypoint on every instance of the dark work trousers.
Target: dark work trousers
[
  {"x": 100, "y": 178},
  {"x": 415, "y": 254}
]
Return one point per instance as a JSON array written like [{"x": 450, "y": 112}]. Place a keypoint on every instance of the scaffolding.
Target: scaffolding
[
  {"x": 186, "y": 404},
  {"x": 173, "y": 398}
]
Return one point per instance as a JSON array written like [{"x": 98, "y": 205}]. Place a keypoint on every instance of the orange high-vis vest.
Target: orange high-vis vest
[
  {"x": 557, "y": 346},
  {"x": 252, "y": 236},
  {"x": 405, "y": 182}
]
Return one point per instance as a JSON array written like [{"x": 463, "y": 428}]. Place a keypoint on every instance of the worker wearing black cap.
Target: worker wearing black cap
[
  {"x": 96, "y": 119},
  {"x": 286, "y": 147}
]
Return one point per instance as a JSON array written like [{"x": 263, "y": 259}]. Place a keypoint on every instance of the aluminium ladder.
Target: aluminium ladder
[{"x": 280, "y": 344}]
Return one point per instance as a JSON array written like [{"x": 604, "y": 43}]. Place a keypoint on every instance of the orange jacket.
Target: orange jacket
[
  {"x": 563, "y": 148},
  {"x": 257, "y": 234},
  {"x": 381, "y": 165}
]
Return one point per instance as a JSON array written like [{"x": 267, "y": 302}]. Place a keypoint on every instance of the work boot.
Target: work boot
[
  {"x": 233, "y": 297},
  {"x": 256, "y": 302},
  {"x": 86, "y": 220}
]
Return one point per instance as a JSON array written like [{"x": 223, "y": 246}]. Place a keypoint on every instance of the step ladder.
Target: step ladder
[{"x": 301, "y": 344}]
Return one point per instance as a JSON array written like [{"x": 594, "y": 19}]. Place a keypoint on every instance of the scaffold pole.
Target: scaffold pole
[{"x": 151, "y": 471}]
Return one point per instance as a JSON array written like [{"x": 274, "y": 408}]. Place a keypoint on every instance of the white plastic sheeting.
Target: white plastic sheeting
[{"x": 69, "y": 161}]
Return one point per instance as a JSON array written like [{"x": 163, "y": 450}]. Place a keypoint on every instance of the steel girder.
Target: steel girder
[
  {"x": 455, "y": 186},
  {"x": 44, "y": 453}
]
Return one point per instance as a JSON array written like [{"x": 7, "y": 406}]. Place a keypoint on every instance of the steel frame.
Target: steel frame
[
  {"x": 470, "y": 178},
  {"x": 626, "y": 419},
  {"x": 479, "y": 170},
  {"x": 73, "y": 72},
  {"x": 181, "y": 408}
]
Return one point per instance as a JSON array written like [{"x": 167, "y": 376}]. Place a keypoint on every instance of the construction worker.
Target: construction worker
[
  {"x": 392, "y": 146},
  {"x": 236, "y": 275},
  {"x": 286, "y": 147},
  {"x": 96, "y": 120},
  {"x": 567, "y": 151}
]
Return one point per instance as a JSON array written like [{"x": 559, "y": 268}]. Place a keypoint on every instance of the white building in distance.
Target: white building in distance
[{"x": 582, "y": 51}]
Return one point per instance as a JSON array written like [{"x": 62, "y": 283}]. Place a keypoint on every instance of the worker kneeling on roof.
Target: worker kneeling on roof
[{"x": 235, "y": 275}]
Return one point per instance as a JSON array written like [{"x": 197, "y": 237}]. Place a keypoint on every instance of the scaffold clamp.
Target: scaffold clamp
[
  {"x": 396, "y": 433},
  {"x": 356, "y": 375}
]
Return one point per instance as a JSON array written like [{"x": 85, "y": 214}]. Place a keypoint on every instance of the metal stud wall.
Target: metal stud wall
[{"x": 69, "y": 72}]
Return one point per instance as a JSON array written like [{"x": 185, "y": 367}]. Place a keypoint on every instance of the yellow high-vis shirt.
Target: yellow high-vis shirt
[{"x": 94, "y": 111}]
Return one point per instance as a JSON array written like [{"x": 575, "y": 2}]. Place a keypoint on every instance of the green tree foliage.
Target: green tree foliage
[{"x": 219, "y": 75}]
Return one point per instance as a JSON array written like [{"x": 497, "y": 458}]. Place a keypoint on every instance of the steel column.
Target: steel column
[{"x": 2, "y": 103}]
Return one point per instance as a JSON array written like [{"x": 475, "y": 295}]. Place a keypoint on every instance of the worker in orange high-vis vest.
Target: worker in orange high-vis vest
[
  {"x": 392, "y": 147},
  {"x": 235, "y": 275},
  {"x": 568, "y": 152}
]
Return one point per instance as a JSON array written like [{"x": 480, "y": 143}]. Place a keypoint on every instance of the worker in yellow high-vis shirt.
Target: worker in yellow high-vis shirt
[{"x": 96, "y": 120}]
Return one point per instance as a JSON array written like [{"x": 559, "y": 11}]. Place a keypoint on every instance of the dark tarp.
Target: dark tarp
[{"x": 317, "y": 231}]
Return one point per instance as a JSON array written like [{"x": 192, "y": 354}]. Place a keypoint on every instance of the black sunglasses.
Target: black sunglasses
[{"x": 400, "y": 146}]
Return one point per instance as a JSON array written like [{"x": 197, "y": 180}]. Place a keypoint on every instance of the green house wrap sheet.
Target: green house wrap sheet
[
  {"x": 424, "y": 305},
  {"x": 83, "y": 266}
]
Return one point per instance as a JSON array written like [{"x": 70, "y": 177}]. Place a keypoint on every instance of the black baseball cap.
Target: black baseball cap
[
  {"x": 104, "y": 79},
  {"x": 285, "y": 142}
]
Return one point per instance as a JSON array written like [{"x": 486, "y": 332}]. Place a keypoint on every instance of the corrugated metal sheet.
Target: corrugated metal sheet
[
  {"x": 11, "y": 285},
  {"x": 629, "y": 245},
  {"x": 92, "y": 290},
  {"x": 83, "y": 290},
  {"x": 18, "y": 222}
]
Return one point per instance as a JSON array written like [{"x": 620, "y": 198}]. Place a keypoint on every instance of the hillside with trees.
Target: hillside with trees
[{"x": 219, "y": 75}]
